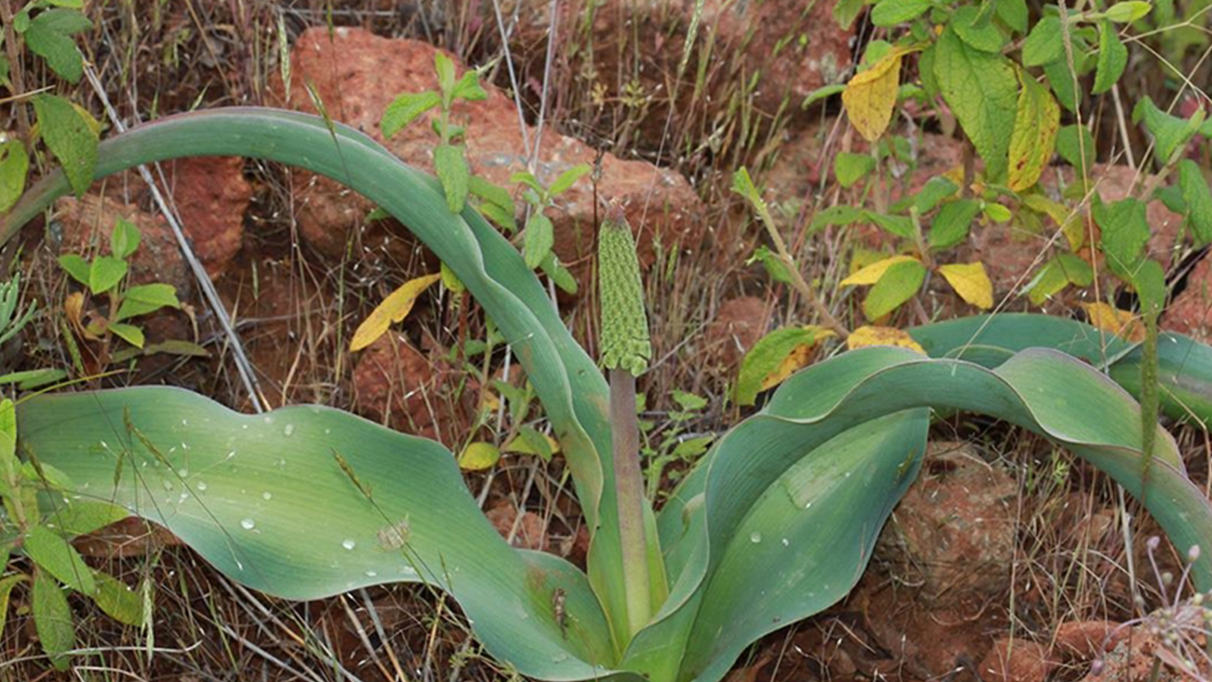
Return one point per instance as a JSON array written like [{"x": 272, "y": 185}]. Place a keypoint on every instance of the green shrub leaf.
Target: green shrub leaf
[
  {"x": 450, "y": 163},
  {"x": 892, "y": 12},
  {"x": 14, "y": 165},
  {"x": 850, "y": 168},
  {"x": 1112, "y": 58},
  {"x": 53, "y": 619},
  {"x": 1125, "y": 231},
  {"x": 146, "y": 298},
  {"x": 124, "y": 240},
  {"x": 986, "y": 37},
  {"x": 75, "y": 266},
  {"x": 933, "y": 193},
  {"x": 982, "y": 89},
  {"x": 71, "y": 138},
  {"x": 1071, "y": 141},
  {"x": 50, "y": 36},
  {"x": 538, "y": 240},
  {"x": 405, "y": 109},
  {"x": 54, "y": 555},
  {"x": 899, "y": 284},
  {"x": 1198, "y": 198},
  {"x": 128, "y": 332},
  {"x": 105, "y": 273},
  {"x": 1044, "y": 44},
  {"x": 951, "y": 225}
]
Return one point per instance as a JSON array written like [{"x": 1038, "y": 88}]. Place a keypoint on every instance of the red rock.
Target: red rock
[
  {"x": 1015, "y": 660},
  {"x": 1191, "y": 311},
  {"x": 394, "y": 382},
  {"x": 531, "y": 531},
  {"x": 358, "y": 74},
  {"x": 211, "y": 197},
  {"x": 738, "y": 325},
  {"x": 1086, "y": 639}
]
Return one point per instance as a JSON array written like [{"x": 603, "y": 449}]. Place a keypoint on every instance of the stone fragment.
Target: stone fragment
[{"x": 1016, "y": 660}]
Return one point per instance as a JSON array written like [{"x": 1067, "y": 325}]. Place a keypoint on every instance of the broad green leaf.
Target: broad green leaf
[
  {"x": 392, "y": 310},
  {"x": 1112, "y": 58},
  {"x": 1060, "y": 78},
  {"x": 1014, "y": 13},
  {"x": 971, "y": 282},
  {"x": 567, "y": 179},
  {"x": 1125, "y": 231},
  {"x": 850, "y": 168},
  {"x": 892, "y": 12},
  {"x": 146, "y": 298},
  {"x": 128, "y": 333},
  {"x": 1128, "y": 12},
  {"x": 105, "y": 273},
  {"x": 986, "y": 37},
  {"x": 538, "y": 239},
  {"x": 1170, "y": 133},
  {"x": 450, "y": 164},
  {"x": 53, "y": 619},
  {"x": 245, "y": 512},
  {"x": 75, "y": 266},
  {"x": 768, "y": 355},
  {"x": 874, "y": 272},
  {"x": 870, "y": 95},
  {"x": 7, "y": 584},
  {"x": 981, "y": 89},
  {"x": 933, "y": 193},
  {"x": 14, "y": 165},
  {"x": 1198, "y": 198},
  {"x": 405, "y": 109},
  {"x": 54, "y": 555},
  {"x": 479, "y": 456},
  {"x": 50, "y": 36},
  {"x": 899, "y": 225},
  {"x": 70, "y": 138},
  {"x": 1045, "y": 43},
  {"x": 118, "y": 601},
  {"x": 1055, "y": 275},
  {"x": 1035, "y": 126},
  {"x": 899, "y": 284},
  {"x": 952, "y": 223},
  {"x": 124, "y": 239},
  {"x": 1072, "y": 141}
]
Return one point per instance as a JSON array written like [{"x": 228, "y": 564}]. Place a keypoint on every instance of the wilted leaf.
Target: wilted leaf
[
  {"x": 773, "y": 358},
  {"x": 1121, "y": 323},
  {"x": 899, "y": 284},
  {"x": 881, "y": 336},
  {"x": 479, "y": 456},
  {"x": 6, "y": 587},
  {"x": 981, "y": 88},
  {"x": 393, "y": 309},
  {"x": 872, "y": 273},
  {"x": 871, "y": 95},
  {"x": 971, "y": 282},
  {"x": 1034, "y": 139}
]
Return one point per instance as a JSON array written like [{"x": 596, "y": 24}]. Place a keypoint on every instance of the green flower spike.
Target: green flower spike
[{"x": 624, "y": 337}]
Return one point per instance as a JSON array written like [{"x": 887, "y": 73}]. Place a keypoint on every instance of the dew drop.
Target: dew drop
[
  {"x": 168, "y": 485},
  {"x": 267, "y": 495},
  {"x": 786, "y": 542},
  {"x": 371, "y": 574},
  {"x": 183, "y": 472},
  {"x": 248, "y": 524},
  {"x": 289, "y": 430},
  {"x": 349, "y": 544},
  {"x": 808, "y": 506},
  {"x": 201, "y": 485},
  {"x": 755, "y": 537}
]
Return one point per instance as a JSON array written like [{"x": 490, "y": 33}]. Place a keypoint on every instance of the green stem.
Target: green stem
[{"x": 629, "y": 493}]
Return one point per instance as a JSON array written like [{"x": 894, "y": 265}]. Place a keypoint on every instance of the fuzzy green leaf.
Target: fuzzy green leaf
[
  {"x": 1071, "y": 141},
  {"x": 951, "y": 225},
  {"x": 899, "y": 284},
  {"x": 538, "y": 239},
  {"x": 567, "y": 179},
  {"x": 50, "y": 36},
  {"x": 1112, "y": 58},
  {"x": 53, "y": 619},
  {"x": 893, "y": 12},
  {"x": 1045, "y": 43},
  {"x": 986, "y": 37},
  {"x": 982, "y": 89},
  {"x": 70, "y": 138},
  {"x": 933, "y": 193},
  {"x": 450, "y": 163},
  {"x": 405, "y": 109},
  {"x": 1198, "y": 197},
  {"x": 75, "y": 266},
  {"x": 54, "y": 555},
  {"x": 124, "y": 240},
  {"x": 1125, "y": 231},
  {"x": 850, "y": 168},
  {"x": 1170, "y": 133},
  {"x": 1013, "y": 12}
]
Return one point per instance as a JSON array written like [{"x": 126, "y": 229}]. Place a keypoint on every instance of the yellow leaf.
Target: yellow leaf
[
  {"x": 870, "y": 96},
  {"x": 489, "y": 402},
  {"x": 520, "y": 446},
  {"x": 796, "y": 360},
  {"x": 1033, "y": 140},
  {"x": 479, "y": 456},
  {"x": 394, "y": 308},
  {"x": 971, "y": 282},
  {"x": 1061, "y": 215},
  {"x": 1119, "y": 322},
  {"x": 872, "y": 273},
  {"x": 73, "y": 307},
  {"x": 881, "y": 336}
]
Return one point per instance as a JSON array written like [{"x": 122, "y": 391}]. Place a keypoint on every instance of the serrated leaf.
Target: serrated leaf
[
  {"x": 850, "y": 168},
  {"x": 567, "y": 179},
  {"x": 538, "y": 240},
  {"x": 1198, "y": 198},
  {"x": 405, "y": 109},
  {"x": 764, "y": 363},
  {"x": 70, "y": 138},
  {"x": 1072, "y": 141},
  {"x": 982, "y": 90},
  {"x": 952, "y": 224},
  {"x": 54, "y": 555},
  {"x": 1170, "y": 133},
  {"x": 479, "y": 456},
  {"x": 971, "y": 282},
  {"x": 450, "y": 164},
  {"x": 1121, "y": 323},
  {"x": 75, "y": 266},
  {"x": 53, "y": 619},
  {"x": 1128, "y": 12},
  {"x": 118, "y": 601},
  {"x": 6, "y": 588},
  {"x": 1112, "y": 58},
  {"x": 146, "y": 298},
  {"x": 892, "y": 12},
  {"x": 1045, "y": 43},
  {"x": 872, "y": 273},
  {"x": 899, "y": 284},
  {"x": 49, "y": 36},
  {"x": 128, "y": 333},
  {"x": 105, "y": 273},
  {"x": 870, "y": 335},
  {"x": 870, "y": 95},
  {"x": 393, "y": 309},
  {"x": 986, "y": 37},
  {"x": 933, "y": 193},
  {"x": 14, "y": 165},
  {"x": 1036, "y": 122},
  {"x": 1125, "y": 231}
]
